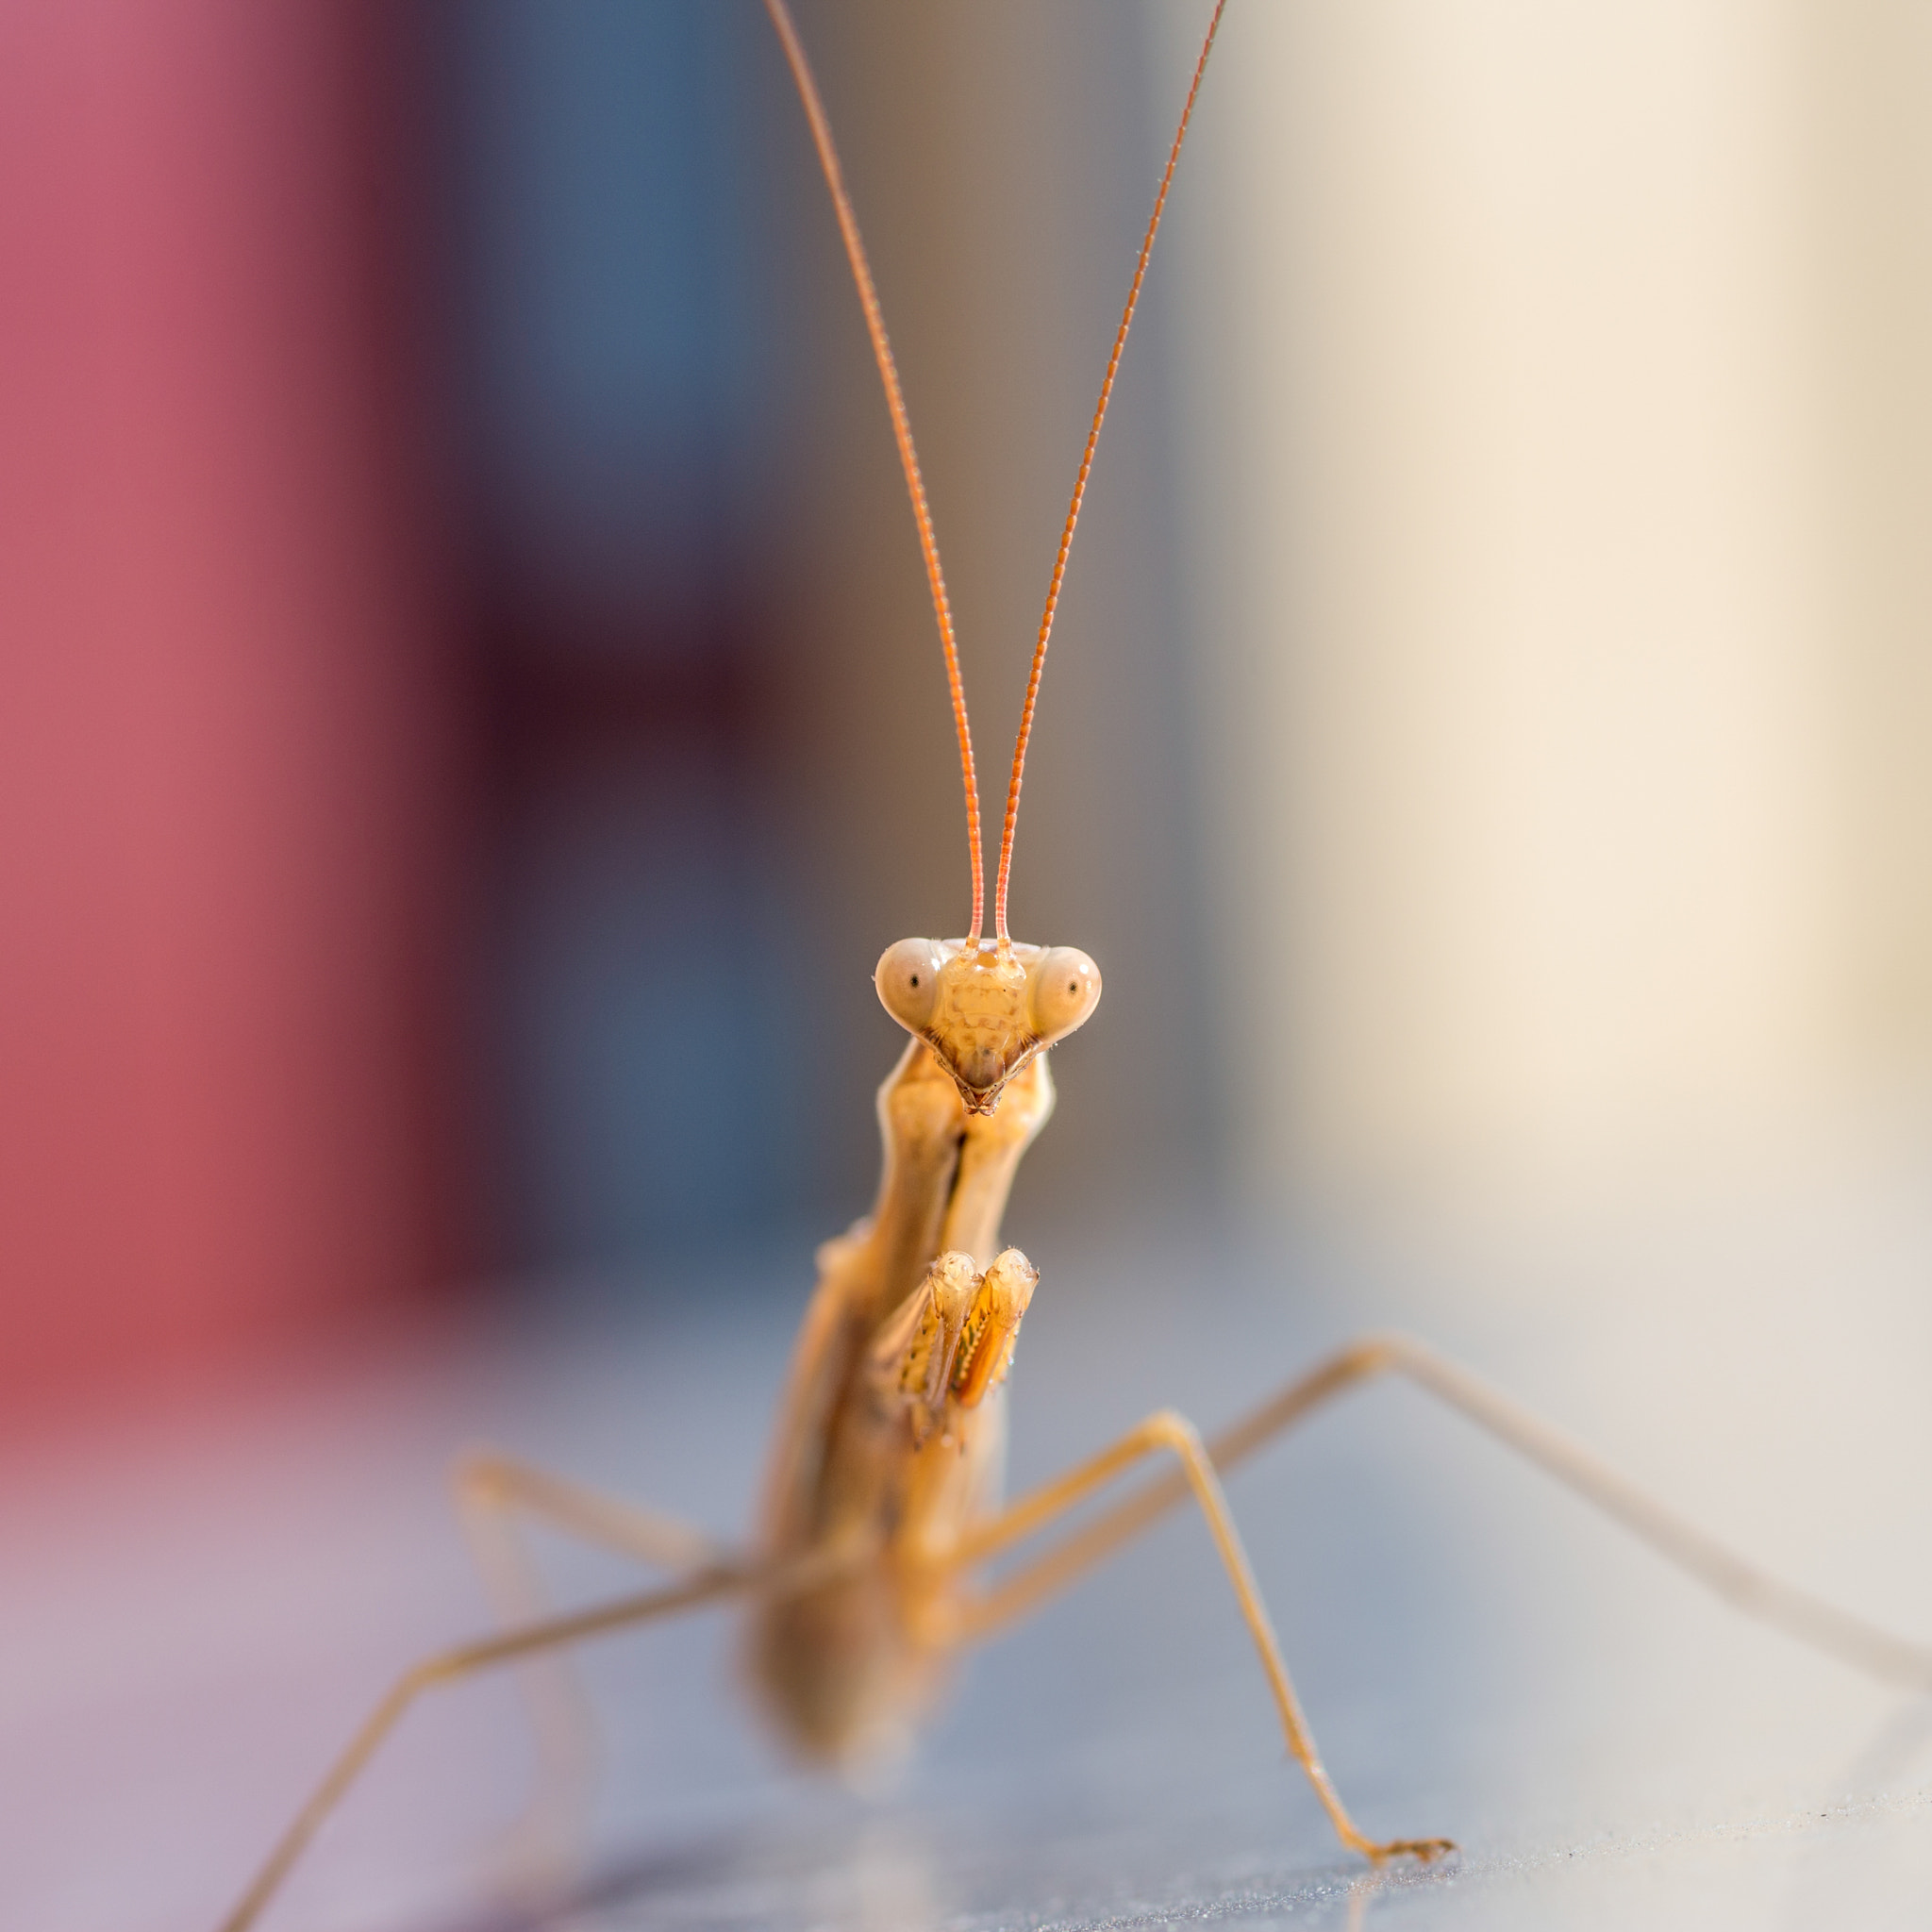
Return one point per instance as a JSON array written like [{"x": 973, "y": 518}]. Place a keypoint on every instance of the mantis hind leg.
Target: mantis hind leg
[
  {"x": 495, "y": 1492},
  {"x": 1742, "y": 1584}
]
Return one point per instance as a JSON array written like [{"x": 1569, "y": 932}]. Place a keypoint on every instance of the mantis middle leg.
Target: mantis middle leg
[
  {"x": 492, "y": 1493},
  {"x": 1168, "y": 1431}
]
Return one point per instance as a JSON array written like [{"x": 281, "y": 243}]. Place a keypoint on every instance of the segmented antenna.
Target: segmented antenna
[
  {"x": 1059, "y": 562},
  {"x": 901, "y": 430}
]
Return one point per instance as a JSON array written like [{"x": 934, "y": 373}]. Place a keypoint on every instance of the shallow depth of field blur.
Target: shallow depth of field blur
[{"x": 471, "y": 718}]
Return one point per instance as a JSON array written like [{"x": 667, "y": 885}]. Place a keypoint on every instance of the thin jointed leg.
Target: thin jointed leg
[
  {"x": 494, "y": 1492},
  {"x": 1174, "y": 1433},
  {"x": 490, "y": 1486},
  {"x": 461, "y": 1661},
  {"x": 1743, "y": 1585}
]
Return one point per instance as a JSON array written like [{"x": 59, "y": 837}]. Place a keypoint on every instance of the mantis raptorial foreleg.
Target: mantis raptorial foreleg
[
  {"x": 1741, "y": 1583},
  {"x": 1171, "y": 1432},
  {"x": 492, "y": 1493}
]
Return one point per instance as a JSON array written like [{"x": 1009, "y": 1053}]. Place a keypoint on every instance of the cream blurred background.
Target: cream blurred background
[{"x": 1558, "y": 482}]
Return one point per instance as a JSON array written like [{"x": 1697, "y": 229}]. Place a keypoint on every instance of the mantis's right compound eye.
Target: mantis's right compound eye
[
  {"x": 908, "y": 982},
  {"x": 1066, "y": 988}
]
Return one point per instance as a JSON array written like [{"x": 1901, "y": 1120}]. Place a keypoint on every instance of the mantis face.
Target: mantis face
[{"x": 986, "y": 1007}]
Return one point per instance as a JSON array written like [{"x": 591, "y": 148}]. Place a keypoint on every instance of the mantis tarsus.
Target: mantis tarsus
[{"x": 870, "y": 1569}]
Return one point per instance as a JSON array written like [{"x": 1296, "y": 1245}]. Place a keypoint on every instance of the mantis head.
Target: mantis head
[{"x": 986, "y": 1007}]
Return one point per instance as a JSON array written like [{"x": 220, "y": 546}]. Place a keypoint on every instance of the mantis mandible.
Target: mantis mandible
[{"x": 869, "y": 1570}]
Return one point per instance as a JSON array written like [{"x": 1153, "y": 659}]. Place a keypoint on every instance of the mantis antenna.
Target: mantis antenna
[
  {"x": 1059, "y": 562},
  {"x": 901, "y": 430},
  {"x": 908, "y": 456}
]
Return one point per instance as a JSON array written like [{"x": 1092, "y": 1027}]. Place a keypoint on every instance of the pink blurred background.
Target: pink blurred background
[{"x": 228, "y": 785}]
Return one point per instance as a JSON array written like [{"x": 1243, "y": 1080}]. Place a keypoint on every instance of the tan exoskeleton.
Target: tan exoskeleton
[{"x": 869, "y": 1570}]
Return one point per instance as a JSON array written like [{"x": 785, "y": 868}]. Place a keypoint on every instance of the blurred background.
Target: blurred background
[
  {"x": 471, "y": 718},
  {"x": 1559, "y": 487},
  {"x": 474, "y": 717}
]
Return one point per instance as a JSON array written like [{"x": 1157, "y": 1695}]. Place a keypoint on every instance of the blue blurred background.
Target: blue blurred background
[{"x": 624, "y": 430}]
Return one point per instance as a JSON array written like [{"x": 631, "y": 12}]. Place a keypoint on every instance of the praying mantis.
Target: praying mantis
[{"x": 884, "y": 1550}]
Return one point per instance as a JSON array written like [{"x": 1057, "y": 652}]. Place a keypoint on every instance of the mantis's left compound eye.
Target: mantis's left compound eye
[
  {"x": 1066, "y": 988},
  {"x": 908, "y": 982}
]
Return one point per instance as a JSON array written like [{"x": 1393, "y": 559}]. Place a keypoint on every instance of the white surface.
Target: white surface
[{"x": 197, "y": 1609}]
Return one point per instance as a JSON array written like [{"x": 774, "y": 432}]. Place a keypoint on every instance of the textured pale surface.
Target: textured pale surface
[{"x": 196, "y": 1608}]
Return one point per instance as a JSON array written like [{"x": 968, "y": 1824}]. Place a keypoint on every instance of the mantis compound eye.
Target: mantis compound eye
[
  {"x": 908, "y": 982},
  {"x": 1066, "y": 988}
]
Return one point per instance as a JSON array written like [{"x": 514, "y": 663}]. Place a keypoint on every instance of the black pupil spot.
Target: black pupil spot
[{"x": 914, "y": 981}]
